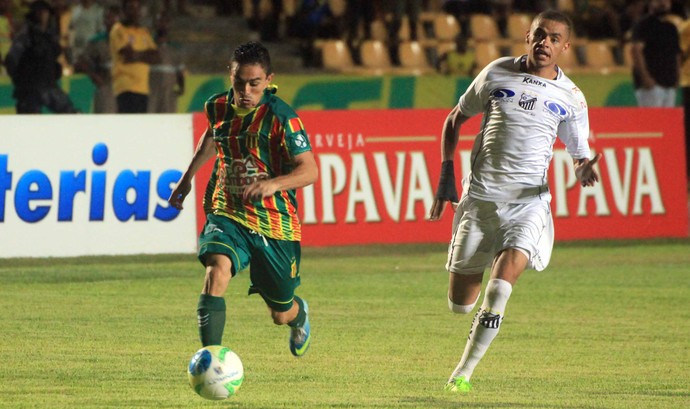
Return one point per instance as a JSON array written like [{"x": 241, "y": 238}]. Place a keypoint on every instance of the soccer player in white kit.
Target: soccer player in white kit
[{"x": 503, "y": 218}]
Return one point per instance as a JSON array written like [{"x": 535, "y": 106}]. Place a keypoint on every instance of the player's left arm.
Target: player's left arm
[{"x": 304, "y": 173}]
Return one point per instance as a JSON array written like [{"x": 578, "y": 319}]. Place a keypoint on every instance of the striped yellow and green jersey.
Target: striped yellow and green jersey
[{"x": 251, "y": 145}]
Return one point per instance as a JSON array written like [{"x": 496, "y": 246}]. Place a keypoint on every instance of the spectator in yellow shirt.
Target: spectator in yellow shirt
[{"x": 133, "y": 51}]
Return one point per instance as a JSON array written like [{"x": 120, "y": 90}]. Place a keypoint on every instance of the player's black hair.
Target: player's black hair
[
  {"x": 252, "y": 52},
  {"x": 555, "y": 15}
]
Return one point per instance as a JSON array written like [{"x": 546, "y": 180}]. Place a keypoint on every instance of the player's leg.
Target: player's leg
[
  {"x": 223, "y": 251},
  {"x": 471, "y": 250},
  {"x": 211, "y": 309},
  {"x": 275, "y": 275},
  {"x": 526, "y": 239},
  {"x": 485, "y": 325}
]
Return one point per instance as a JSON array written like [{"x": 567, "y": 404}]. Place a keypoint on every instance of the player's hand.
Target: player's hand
[
  {"x": 445, "y": 192},
  {"x": 587, "y": 175},
  {"x": 438, "y": 207},
  {"x": 259, "y": 190},
  {"x": 179, "y": 194}
]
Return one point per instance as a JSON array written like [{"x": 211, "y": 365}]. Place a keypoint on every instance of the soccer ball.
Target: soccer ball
[{"x": 215, "y": 372}]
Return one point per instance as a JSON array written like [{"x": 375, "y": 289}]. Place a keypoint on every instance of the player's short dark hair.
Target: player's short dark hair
[
  {"x": 555, "y": 15},
  {"x": 252, "y": 52}
]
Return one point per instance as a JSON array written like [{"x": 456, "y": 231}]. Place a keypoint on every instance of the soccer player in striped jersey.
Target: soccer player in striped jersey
[
  {"x": 262, "y": 154},
  {"x": 503, "y": 218}
]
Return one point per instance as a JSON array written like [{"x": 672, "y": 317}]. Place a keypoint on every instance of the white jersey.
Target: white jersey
[{"x": 523, "y": 114}]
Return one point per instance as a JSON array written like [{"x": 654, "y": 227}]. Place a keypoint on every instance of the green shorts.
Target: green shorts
[{"x": 273, "y": 264}]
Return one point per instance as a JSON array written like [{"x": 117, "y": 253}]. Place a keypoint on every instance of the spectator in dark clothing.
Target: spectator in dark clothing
[
  {"x": 656, "y": 57},
  {"x": 32, "y": 63}
]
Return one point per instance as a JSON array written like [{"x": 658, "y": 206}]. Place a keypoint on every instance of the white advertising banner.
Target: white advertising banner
[{"x": 75, "y": 185}]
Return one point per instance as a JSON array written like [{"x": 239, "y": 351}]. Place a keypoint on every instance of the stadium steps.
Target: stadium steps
[{"x": 208, "y": 40}]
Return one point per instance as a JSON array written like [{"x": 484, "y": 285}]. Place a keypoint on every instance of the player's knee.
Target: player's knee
[{"x": 460, "y": 308}]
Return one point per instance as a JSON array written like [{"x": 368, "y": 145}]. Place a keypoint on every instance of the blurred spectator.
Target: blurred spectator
[
  {"x": 167, "y": 77},
  {"x": 265, "y": 19},
  {"x": 313, "y": 19},
  {"x": 656, "y": 57},
  {"x": 631, "y": 13},
  {"x": 96, "y": 62},
  {"x": 359, "y": 16},
  {"x": 6, "y": 31},
  {"x": 500, "y": 10},
  {"x": 63, "y": 13},
  {"x": 599, "y": 19},
  {"x": 32, "y": 62},
  {"x": 132, "y": 50},
  {"x": 459, "y": 61},
  {"x": 398, "y": 9},
  {"x": 87, "y": 21}
]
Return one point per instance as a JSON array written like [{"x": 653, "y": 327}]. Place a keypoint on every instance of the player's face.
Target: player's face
[
  {"x": 248, "y": 83},
  {"x": 547, "y": 39}
]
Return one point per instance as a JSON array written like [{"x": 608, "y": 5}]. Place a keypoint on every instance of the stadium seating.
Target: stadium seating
[
  {"x": 518, "y": 26},
  {"x": 445, "y": 27},
  {"x": 413, "y": 59},
  {"x": 485, "y": 52},
  {"x": 375, "y": 57},
  {"x": 335, "y": 56},
  {"x": 599, "y": 58}
]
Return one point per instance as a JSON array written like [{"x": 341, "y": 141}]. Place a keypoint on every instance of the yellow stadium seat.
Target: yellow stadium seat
[
  {"x": 518, "y": 26},
  {"x": 485, "y": 52},
  {"x": 599, "y": 58},
  {"x": 445, "y": 27},
  {"x": 375, "y": 57},
  {"x": 335, "y": 55},
  {"x": 413, "y": 58}
]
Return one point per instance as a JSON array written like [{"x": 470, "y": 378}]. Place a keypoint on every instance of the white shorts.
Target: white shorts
[{"x": 481, "y": 229}]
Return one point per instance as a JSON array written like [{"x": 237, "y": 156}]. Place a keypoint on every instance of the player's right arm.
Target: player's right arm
[
  {"x": 205, "y": 150},
  {"x": 447, "y": 190}
]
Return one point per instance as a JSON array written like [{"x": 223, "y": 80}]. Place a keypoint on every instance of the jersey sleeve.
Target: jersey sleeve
[
  {"x": 574, "y": 130},
  {"x": 473, "y": 101},
  {"x": 296, "y": 136}
]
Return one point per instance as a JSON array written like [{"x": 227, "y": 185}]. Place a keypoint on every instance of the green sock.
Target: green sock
[
  {"x": 211, "y": 319},
  {"x": 301, "y": 315}
]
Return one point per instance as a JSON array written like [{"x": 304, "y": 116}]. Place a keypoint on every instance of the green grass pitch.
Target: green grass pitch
[{"x": 607, "y": 325}]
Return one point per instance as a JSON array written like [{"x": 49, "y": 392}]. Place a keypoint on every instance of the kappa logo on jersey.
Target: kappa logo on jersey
[
  {"x": 243, "y": 173},
  {"x": 527, "y": 101},
  {"x": 533, "y": 81},
  {"x": 555, "y": 108}
]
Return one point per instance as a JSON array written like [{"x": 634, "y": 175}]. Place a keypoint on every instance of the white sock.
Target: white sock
[{"x": 484, "y": 326}]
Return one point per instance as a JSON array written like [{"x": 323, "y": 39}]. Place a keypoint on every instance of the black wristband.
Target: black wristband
[{"x": 446, "y": 185}]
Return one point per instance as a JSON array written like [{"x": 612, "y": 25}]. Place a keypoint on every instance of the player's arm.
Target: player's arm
[
  {"x": 447, "y": 190},
  {"x": 585, "y": 172},
  {"x": 205, "y": 150},
  {"x": 639, "y": 64},
  {"x": 303, "y": 174}
]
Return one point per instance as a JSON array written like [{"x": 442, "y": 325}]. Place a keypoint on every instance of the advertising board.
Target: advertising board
[{"x": 92, "y": 184}]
